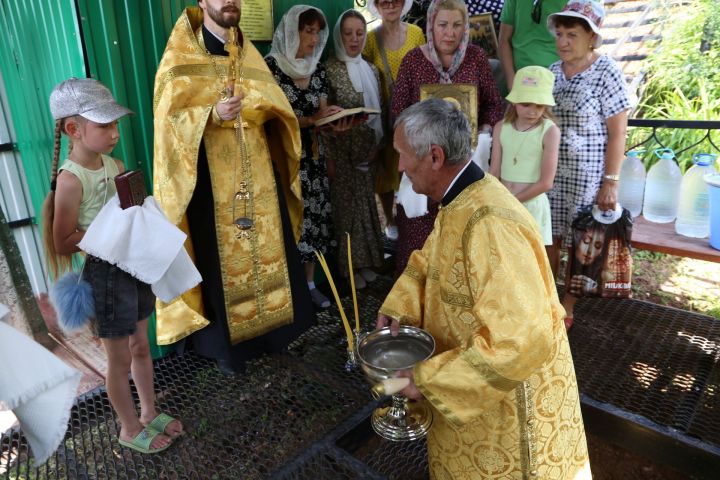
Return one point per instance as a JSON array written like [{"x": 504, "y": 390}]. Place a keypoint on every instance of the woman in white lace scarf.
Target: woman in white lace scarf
[
  {"x": 352, "y": 156},
  {"x": 294, "y": 57}
]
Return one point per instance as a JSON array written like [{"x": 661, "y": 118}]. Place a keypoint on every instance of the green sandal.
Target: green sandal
[
  {"x": 160, "y": 423},
  {"x": 143, "y": 440}
]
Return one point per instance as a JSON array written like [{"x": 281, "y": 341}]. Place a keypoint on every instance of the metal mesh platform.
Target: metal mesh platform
[
  {"x": 279, "y": 419},
  {"x": 394, "y": 460},
  {"x": 301, "y": 415},
  {"x": 655, "y": 361}
]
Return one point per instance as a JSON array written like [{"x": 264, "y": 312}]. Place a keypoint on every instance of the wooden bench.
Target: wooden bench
[{"x": 661, "y": 237}]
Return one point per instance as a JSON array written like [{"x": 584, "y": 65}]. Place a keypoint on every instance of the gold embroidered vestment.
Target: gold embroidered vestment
[
  {"x": 254, "y": 271},
  {"x": 501, "y": 383}
]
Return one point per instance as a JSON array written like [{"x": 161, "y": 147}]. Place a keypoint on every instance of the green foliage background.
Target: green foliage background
[{"x": 683, "y": 81}]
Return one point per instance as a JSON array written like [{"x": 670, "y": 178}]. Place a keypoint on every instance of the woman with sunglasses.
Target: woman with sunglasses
[
  {"x": 386, "y": 46},
  {"x": 524, "y": 37}
]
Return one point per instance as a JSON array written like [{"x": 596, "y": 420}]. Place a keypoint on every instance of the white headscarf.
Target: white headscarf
[
  {"x": 361, "y": 75},
  {"x": 374, "y": 11},
  {"x": 286, "y": 42}
]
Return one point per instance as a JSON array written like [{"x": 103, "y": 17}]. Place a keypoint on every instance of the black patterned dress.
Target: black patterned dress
[
  {"x": 353, "y": 188},
  {"x": 317, "y": 230}
]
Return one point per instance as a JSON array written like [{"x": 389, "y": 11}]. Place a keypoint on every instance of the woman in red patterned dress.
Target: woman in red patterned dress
[{"x": 446, "y": 58}]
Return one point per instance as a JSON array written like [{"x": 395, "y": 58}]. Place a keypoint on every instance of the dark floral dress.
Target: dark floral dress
[
  {"x": 353, "y": 188},
  {"x": 317, "y": 230}
]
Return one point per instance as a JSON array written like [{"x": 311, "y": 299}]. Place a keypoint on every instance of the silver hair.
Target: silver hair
[{"x": 437, "y": 122}]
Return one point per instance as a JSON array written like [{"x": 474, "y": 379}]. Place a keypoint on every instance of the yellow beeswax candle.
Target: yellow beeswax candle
[
  {"x": 346, "y": 324},
  {"x": 352, "y": 286}
]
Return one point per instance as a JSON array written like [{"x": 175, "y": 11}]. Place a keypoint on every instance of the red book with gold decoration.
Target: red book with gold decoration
[{"x": 130, "y": 187}]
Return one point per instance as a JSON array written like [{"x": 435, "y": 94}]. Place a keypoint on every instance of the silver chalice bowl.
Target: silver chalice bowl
[{"x": 381, "y": 356}]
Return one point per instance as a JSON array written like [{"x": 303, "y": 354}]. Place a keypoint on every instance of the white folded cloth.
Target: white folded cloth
[
  {"x": 481, "y": 155},
  {"x": 39, "y": 389},
  {"x": 414, "y": 204},
  {"x": 143, "y": 242},
  {"x": 180, "y": 277}
]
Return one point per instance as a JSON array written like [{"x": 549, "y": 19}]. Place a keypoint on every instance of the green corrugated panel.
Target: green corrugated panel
[
  {"x": 331, "y": 8},
  {"x": 39, "y": 47},
  {"x": 124, "y": 42}
]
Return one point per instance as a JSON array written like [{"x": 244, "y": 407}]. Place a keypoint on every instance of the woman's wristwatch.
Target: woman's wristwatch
[{"x": 614, "y": 178}]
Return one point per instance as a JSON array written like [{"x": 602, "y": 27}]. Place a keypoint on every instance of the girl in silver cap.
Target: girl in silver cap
[{"x": 85, "y": 111}]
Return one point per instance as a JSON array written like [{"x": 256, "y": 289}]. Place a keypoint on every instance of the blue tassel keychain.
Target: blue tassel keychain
[{"x": 73, "y": 300}]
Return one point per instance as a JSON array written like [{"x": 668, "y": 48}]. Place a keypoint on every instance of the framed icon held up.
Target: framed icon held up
[
  {"x": 482, "y": 33},
  {"x": 463, "y": 95}
]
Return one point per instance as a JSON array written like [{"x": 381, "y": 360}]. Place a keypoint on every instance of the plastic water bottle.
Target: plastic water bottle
[
  {"x": 662, "y": 188},
  {"x": 693, "y": 218},
  {"x": 632, "y": 183}
]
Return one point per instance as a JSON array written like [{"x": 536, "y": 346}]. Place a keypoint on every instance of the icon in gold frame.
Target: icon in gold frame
[
  {"x": 482, "y": 33},
  {"x": 462, "y": 95}
]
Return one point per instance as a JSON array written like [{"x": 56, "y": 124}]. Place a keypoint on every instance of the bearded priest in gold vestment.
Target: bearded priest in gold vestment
[
  {"x": 228, "y": 157},
  {"x": 501, "y": 384}
]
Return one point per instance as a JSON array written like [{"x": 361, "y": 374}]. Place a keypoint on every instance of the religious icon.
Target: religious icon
[
  {"x": 462, "y": 95},
  {"x": 482, "y": 33}
]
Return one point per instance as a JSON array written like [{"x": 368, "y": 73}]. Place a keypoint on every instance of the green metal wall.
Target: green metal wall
[
  {"x": 124, "y": 42},
  {"x": 331, "y": 8},
  {"x": 118, "y": 42},
  {"x": 40, "y": 46}
]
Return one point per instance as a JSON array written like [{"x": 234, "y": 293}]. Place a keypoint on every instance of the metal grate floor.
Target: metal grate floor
[
  {"x": 301, "y": 415},
  {"x": 655, "y": 361},
  {"x": 276, "y": 420}
]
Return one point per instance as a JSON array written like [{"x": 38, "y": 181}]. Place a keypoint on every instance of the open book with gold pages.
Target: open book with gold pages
[{"x": 348, "y": 112}]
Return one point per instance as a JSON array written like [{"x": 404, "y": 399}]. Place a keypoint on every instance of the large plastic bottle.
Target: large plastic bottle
[
  {"x": 662, "y": 188},
  {"x": 693, "y": 216},
  {"x": 632, "y": 183}
]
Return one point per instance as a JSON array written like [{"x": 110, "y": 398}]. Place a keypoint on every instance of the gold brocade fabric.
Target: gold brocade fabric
[
  {"x": 501, "y": 383},
  {"x": 188, "y": 83}
]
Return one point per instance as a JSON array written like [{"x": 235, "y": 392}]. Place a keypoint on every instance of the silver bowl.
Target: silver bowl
[{"x": 382, "y": 356}]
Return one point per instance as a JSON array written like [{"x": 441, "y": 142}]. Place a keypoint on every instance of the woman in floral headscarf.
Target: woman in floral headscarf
[
  {"x": 294, "y": 58},
  {"x": 447, "y": 57}
]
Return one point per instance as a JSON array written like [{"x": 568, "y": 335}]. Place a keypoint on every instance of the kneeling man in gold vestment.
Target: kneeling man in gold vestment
[{"x": 501, "y": 383}]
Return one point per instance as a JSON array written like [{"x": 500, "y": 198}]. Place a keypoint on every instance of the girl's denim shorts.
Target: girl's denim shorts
[{"x": 121, "y": 300}]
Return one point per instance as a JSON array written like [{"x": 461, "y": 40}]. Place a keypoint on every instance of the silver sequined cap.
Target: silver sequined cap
[{"x": 85, "y": 97}]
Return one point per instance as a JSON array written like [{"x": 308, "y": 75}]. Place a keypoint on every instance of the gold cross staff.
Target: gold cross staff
[
  {"x": 232, "y": 46},
  {"x": 245, "y": 223}
]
